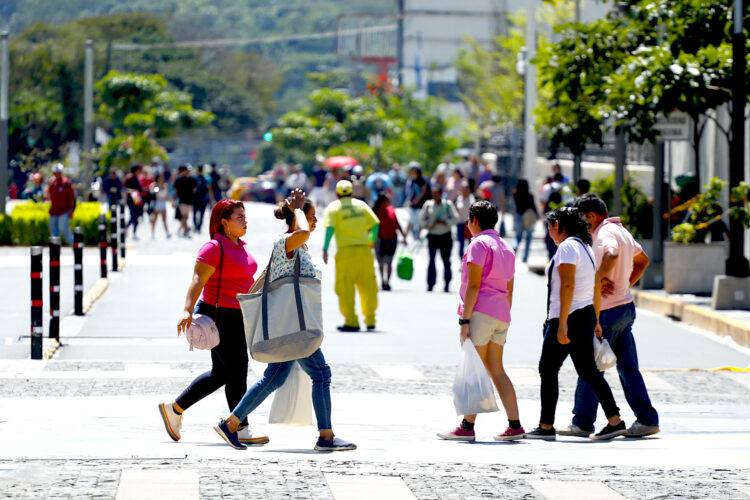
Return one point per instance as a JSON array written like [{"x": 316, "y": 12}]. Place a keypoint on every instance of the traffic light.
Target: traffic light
[{"x": 268, "y": 137}]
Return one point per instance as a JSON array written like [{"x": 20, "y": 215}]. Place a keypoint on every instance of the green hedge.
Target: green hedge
[{"x": 28, "y": 224}]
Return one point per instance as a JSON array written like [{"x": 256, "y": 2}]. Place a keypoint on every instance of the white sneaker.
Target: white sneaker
[
  {"x": 246, "y": 437},
  {"x": 638, "y": 430},
  {"x": 172, "y": 421},
  {"x": 574, "y": 430}
]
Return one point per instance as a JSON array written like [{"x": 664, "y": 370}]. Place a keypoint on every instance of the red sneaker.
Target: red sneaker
[
  {"x": 457, "y": 434},
  {"x": 511, "y": 434}
]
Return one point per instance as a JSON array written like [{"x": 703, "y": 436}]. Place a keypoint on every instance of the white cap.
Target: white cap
[{"x": 57, "y": 167}]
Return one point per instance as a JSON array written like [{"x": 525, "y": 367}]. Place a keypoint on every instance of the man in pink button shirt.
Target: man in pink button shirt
[{"x": 620, "y": 264}]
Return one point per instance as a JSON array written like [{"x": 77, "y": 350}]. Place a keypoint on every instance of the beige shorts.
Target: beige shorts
[{"x": 485, "y": 328}]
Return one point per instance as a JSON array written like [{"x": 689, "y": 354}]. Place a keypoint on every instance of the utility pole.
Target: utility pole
[
  {"x": 88, "y": 114},
  {"x": 3, "y": 120},
  {"x": 577, "y": 159},
  {"x": 400, "y": 42},
  {"x": 578, "y": 11},
  {"x": 530, "y": 145},
  {"x": 737, "y": 264}
]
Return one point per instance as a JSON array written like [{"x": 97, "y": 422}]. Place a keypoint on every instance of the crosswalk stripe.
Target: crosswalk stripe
[
  {"x": 398, "y": 372},
  {"x": 568, "y": 490},
  {"x": 743, "y": 489},
  {"x": 347, "y": 487},
  {"x": 158, "y": 485},
  {"x": 656, "y": 383},
  {"x": 741, "y": 378}
]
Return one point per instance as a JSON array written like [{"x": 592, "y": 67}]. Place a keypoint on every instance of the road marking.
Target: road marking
[
  {"x": 398, "y": 372},
  {"x": 743, "y": 489},
  {"x": 741, "y": 378},
  {"x": 568, "y": 490},
  {"x": 656, "y": 383},
  {"x": 158, "y": 485},
  {"x": 346, "y": 487},
  {"x": 71, "y": 326}
]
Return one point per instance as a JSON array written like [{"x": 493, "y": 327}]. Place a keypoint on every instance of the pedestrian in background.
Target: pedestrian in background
[
  {"x": 112, "y": 186},
  {"x": 417, "y": 194},
  {"x": 487, "y": 274},
  {"x": 184, "y": 188},
  {"x": 160, "y": 193},
  {"x": 399, "y": 179},
  {"x": 525, "y": 216},
  {"x": 34, "y": 189},
  {"x": 439, "y": 216},
  {"x": 464, "y": 201},
  {"x": 385, "y": 245},
  {"x": 571, "y": 322},
  {"x": 319, "y": 175},
  {"x": 62, "y": 199},
  {"x": 134, "y": 198},
  {"x": 225, "y": 256},
  {"x": 621, "y": 262},
  {"x": 378, "y": 184},
  {"x": 356, "y": 227},
  {"x": 357, "y": 178},
  {"x": 201, "y": 197},
  {"x": 299, "y": 214}
]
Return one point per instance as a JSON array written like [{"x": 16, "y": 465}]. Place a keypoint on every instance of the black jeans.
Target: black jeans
[
  {"x": 199, "y": 210},
  {"x": 581, "y": 325},
  {"x": 442, "y": 242},
  {"x": 229, "y": 361}
]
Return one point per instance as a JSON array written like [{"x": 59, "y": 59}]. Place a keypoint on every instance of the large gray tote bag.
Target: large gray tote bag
[{"x": 284, "y": 321}]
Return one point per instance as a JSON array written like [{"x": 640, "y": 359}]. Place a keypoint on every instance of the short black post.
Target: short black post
[
  {"x": 54, "y": 287},
  {"x": 78, "y": 270},
  {"x": 113, "y": 235},
  {"x": 123, "y": 228},
  {"x": 103, "y": 245},
  {"x": 36, "y": 303}
]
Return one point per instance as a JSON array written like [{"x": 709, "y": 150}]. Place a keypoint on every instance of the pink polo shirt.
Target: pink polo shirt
[
  {"x": 237, "y": 272},
  {"x": 498, "y": 262},
  {"x": 611, "y": 235}
]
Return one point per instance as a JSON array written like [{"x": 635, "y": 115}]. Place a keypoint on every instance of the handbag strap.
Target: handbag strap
[
  {"x": 218, "y": 288},
  {"x": 297, "y": 295}
]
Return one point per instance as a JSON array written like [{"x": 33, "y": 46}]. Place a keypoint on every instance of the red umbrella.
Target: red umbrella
[{"x": 341, "y": 162}]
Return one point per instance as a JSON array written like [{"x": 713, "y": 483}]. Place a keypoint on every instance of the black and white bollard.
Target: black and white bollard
[
  {"x": 78, "y": 270},
  {"x": 36, "y": 303},
  {"x": 54, "y": 288},
  {"x": 113, "y": 236},
  {"x": 103, "y": 245},
  {"x": 123, "y": 228}
]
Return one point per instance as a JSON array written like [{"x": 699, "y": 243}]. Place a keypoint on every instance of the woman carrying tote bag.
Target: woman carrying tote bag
[
  {"x": 299, "y": 214},
  {"x": 223, "y": 265}
]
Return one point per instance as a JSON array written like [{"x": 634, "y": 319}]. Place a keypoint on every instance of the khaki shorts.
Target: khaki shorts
[{"x": 485, "y": 328}]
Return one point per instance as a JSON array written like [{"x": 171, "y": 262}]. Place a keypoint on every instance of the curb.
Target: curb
[{"x": 694, "y": 315}]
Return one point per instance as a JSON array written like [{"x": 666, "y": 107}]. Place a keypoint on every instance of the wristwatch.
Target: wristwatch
[{"x": 462, "y": 321}]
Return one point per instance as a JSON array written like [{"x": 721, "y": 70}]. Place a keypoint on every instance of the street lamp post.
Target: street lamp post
[
  {"x": 88, "y": 113},
  {"x": 3, "y": 120},
  {"x": 737, "y": 264},
  {"x": 530, "y": 146}
]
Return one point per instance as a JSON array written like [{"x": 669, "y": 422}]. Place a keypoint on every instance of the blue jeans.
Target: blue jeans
[
  {"x": 60, "y": 225},
  {"x": 520, "y": 231},
  {"x": 617, "y": 328},
  {"x": 275, "y": 375}
]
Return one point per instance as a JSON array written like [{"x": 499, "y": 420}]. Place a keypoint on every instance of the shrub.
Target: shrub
[
  {"x": 637, "y": 212},
  {"x": 29, "y": 223},
  {"x": 5, "y": 225},
  {"x": 705, "y": 211}
]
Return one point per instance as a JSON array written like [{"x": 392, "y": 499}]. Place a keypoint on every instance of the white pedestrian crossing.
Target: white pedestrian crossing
[
  {"x": 656, "y": 383},
  {"x": 742, "y": 378},
  {"x": 347, "y": 487},
  {"x": 398, "y": 372},
  {"x": 138, "y": 484},
  {"x": 578, "y": 490}
]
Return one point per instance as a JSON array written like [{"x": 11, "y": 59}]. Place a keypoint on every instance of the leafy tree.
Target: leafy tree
[{"x": 334, "y": 123}]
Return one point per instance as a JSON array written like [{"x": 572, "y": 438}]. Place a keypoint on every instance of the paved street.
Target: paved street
[{"x": 84, "y": 424}]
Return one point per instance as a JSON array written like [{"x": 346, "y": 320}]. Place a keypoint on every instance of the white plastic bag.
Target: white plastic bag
[
  {"x": 473, "y": 391},
  {"x": 292, "y": 402},
  {"x": 603, "y": 354}
]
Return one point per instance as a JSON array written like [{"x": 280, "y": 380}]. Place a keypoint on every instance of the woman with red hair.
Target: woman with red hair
[{"x": 224, "y": 267}]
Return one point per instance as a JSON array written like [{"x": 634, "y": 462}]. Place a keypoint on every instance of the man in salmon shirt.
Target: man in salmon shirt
[{"x": 621, "y": 262}]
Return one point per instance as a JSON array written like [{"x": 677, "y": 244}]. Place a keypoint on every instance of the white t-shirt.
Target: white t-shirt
[{"x": 573, "y": 251}]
